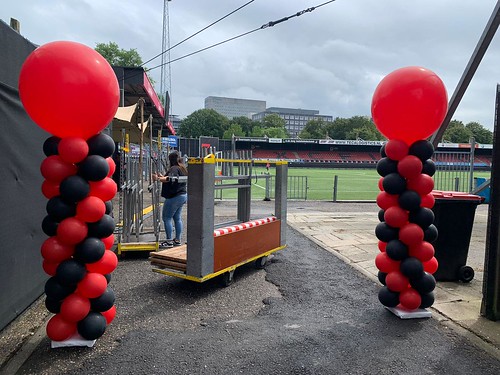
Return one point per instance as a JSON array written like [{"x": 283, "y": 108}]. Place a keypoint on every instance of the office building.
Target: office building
[
  {"x": 233, "y": 107},
  {"x": 295, "y": 119}
]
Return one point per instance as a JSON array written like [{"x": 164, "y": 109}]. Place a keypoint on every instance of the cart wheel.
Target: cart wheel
[
  {"x": 227, "y": 278},
  {"x": 465, "y": 274},
  {"x": 261, "y": 263}
]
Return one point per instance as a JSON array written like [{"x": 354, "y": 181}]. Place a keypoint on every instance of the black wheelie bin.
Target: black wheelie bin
[{"x": 454, "y": 217}]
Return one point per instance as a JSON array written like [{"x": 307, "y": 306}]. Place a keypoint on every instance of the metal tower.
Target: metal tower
[{"x": 166, "y": 78}]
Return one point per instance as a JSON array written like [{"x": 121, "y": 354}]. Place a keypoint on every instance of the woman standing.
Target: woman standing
[{"x": 175, "y": 194}]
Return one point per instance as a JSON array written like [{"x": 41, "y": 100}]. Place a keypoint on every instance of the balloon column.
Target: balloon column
[
  {"x": 407, "y": 107},
  {"x": 71, "y": 91}
]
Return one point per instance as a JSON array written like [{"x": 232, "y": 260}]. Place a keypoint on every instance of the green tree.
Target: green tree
[
  {"x": 354, "y": 128},
  {"x": 234, "y": 129},
  {"x": 119, "y": 56},
  {"x": 314, "y": 129},
  {"x": 205, "y": 122},
  {"x": 273, "y": 121},
  {"x": 245, "y": 124},
  {"x": 456, "y": 132},
  {"x": 273, "y": 126},
  {"x": 480, "y": 133}
]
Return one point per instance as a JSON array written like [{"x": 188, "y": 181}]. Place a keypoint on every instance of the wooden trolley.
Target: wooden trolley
[{"x": 218, "y": 250}]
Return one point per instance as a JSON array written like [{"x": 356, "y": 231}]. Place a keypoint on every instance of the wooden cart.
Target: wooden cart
[{"x": 218, "y": 250}]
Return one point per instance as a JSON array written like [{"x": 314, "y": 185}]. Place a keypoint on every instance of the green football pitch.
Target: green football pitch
[{"x": 352, "y": 184}]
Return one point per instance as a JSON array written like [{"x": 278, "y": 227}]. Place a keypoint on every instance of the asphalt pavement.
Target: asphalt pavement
[{"x": 312, "y": 310}]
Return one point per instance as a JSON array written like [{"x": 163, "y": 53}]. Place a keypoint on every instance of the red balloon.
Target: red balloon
[
  {"x": 396, "y": 149},
  {"x": 79, "y": 80},
  {"x": 427, "y": 200},
  {"x": 382, "y": 246},
  {"x": 90, "y": 209},
  {"x": 105, "y": 189},
  {"x": 396, "y": 281},
  {"x": 55, "y": 251},
  {"x": 396, "y": 217},
  {"x": 70, "y": 231},
  {"x": 423, "y": 251},
  {"x": 50, "y": 189},
  {"x": 386, "y": 200},
  {"x": 109, "y": 314},
  {"x": 380, "y": 185},
  {"x": 410, "y": 166},
  {"x": 92, "y": 285},
  {"x": 431, "y": 266},
  {"x": 422, "y": 184},
  {"x": 410, "y": 299},
  {"x": 411, "y": 234},
  {"x": 73, "y": 149},
  {"x": 75, "y": 307},
  {"x": 49, "y": 267},
  {"x": 59, "y": 329},
  {"x": 112, "y": 166},
  {"x": 409, "y": 104},
  {"x": 386, "y": 264},
  {"x": 55, "y": 169},
  {"x": 105, "y": 265},
  {"x": 109, "y": 241}
]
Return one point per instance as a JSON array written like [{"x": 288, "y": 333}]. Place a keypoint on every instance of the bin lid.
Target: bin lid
[{"x": 456, "y": 195}]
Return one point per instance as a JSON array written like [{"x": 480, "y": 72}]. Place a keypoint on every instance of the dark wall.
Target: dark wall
[{"x": 22, "y": 204}]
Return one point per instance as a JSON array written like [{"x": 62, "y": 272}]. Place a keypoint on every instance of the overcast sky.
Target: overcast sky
[{"x": 330, "y": 59}]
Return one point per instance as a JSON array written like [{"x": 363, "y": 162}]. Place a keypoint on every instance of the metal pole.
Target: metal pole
[
  {"x": 472, "y": 142},
  {"x": 490, "y": 306},
  {"x": 335, "y": 185},
  {"x": 477, "y": 56}
]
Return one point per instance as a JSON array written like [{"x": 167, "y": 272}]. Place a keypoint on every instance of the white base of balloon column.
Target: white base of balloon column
[
  {"x": 75, "y": 340},
  {"x": 403, "y": 313}
]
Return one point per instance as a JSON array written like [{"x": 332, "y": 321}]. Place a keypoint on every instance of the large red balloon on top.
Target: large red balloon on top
[
  {"x": 409, "y": 104},
  {"x": 68, "y": 89}
]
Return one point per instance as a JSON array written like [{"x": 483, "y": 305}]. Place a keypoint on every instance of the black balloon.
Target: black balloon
[
  {"x": 422, "y": 149},
  {"x": 423, "y": 217},
  {"x": 102, "y": 228},
  {"x": 396, "y": 250},
  {"x": 56, "y": 291},
  {"x": 108, "y": 277},
  {"x": 394, "y": 183},
  {"x": 59, "y": 210},
  {"x": 50, "y": 146},
  {"x": 92, "y": 326},
  {"x": 93, "y": 168},
  {"x": 102, "y": 145},
  {"x": 386, "y": 166},
  {"x": 428, "y": 167},
  {"x": 109, "y": 207},
  {"x": 409, "y": 200},
  {"x": 424, "y": 284},
  {"x": 54, "y": 306},
  {"x": 70, "y": 272},
  {"x": 387, "y": 297},
  {"x": 104, "y": 302},
  {"x": 412, "y": 268},
  {"x": 381, "y": 277},
  {"x": 427, "y": 300},
  {"x": 385, "y": 232},
  {"x": 74, "y": 189},
  {"x": 89, "y": 250},
  {"x": 431, "y": 233},
  {"x": 382, "y": 151},
  {"x": 49, "y": 226},
  {"x": 381, "y": 215}
]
